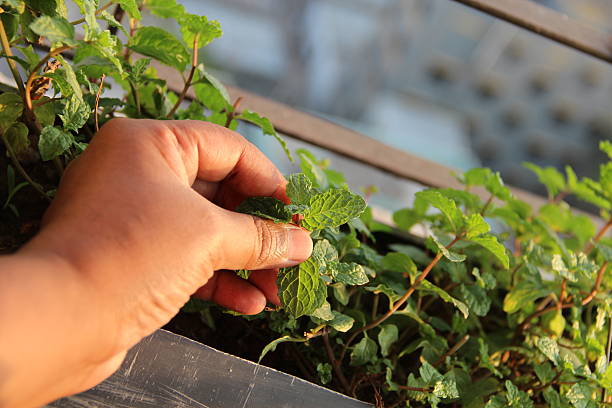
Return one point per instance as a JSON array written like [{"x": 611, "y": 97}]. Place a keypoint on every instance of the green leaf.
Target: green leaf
[
  {"x": 451, "y": 256},
  {"x": 475, "y": 226},
  {"x": 400, "y": 263},
  {"x": 324, "y": 312},
  {"x": 446, "y": 388},
  {"x": 550, "y": 349},
  {"x": 193, "y": 25},
  {"x": 165, "y": 8},
  {"x": 550, "y": 177},
  {"x": 325, "y": 372},
  {"x": 301, "y": 289},
  {"x": 606, "y": 147},
  {"x": 430, "y": 287},
  {"x": 581, "y": 396},
  {"x": 523, "y": 295},
  {"x": 130, "y": 7},
  {"x": 265, "y": 207},
  {"x": 299, "y": 189},
  {"x": 491, "y": 243},
  {"x": 485, "y": 361},
  {"x": 159, "y": 44},
  {"x": 56, "y": 29},
  {"x": 53, "y": 142},
  {"x": 210, "y": 91},
  {"x": 104, "y": 45},
  {"x": 45, "y": 111},
  {"x": 75, "y": 113},
  {"x": 244, "y": 273},
  {"x": 11, "y": 108},
  {"x": 17, "y": 5},
  {"x": 310, "y": 167},
  {"x": 272, "y": 345},
  {"x": 17, "y": 137},
  {"x": 406, "y": 218},
  {"x": 266, "y": 127},
  {"x": 555, "y": 322},
  {"x": 476, "y": 299},
  {"x": 517, "y": 398},
  {"x": 446, "y": 207},
  {"x": 364, "y": 352},
  {"x": 428, "y": 373},
  {"x": 386, "y": 337},
  {"x": 348, "y": 273},
  {"x": 332, "y": 208},
  {"x": 341, "y": 322}
]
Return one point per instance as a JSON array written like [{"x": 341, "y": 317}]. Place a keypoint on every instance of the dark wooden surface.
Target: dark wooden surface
[
  {"x": 166, "y": 370},
  {"x": 548, "y": 23}
]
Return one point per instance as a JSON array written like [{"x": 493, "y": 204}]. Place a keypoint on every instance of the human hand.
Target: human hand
[{"x": 144, "y": 217}]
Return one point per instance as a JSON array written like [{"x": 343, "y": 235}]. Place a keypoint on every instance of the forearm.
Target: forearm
[{"x": 44, "y": 330}]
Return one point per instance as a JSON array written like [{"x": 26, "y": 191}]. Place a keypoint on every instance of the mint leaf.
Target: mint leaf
[
  {"x": 550, "y": 349},
  {"x": 517, "y": 398},
  {"x": 476, "y": 299},
  {"x": 299, "y": 189},
  {"x": 208, "y": 88},
  {"x": 310, "y": 167},
  {"x": 165, "y": 8},
  {"x": 130, "y": 7},
  {"x": 324, "y": 312},
  {"x": 348, "y": 273},
  {"x": 157, "y": 43},
  {"x": 324, "y": 251},
  {"x": 475, "y": 226},
  {"x": 192, "y": 25},
  {"x": 522, "y": 295},
  {"x": 301, "y": 289},
  {"x": 266, "y": 127},
  {"x": 325, "y": 372},
  {"x": 265, "y": 207},
  {"x": 446, "y": 206},
  {"x": 430, "y": 287},
  {"x": 17, "y": 137},
  {"x": 451, "y": 256},
  {"x": 56, "y": 29},
  {"x": 44, "y": 112},
  {"x": 364, "y": 352},
  {"x": 491, "y": 243},
  {"x": 53, "y": 142},
  {"x": 341, "y": 322},
  {"x": 386, "y": 337},
  {"x": 550, "y": 177},
  {"x": 606, "y": 147},
  {"x": 75, "y": 113},
  {"x": 272, "y": 345},
  {"x": 331, "y": 209},
  {"x": 11, "y": 108}
]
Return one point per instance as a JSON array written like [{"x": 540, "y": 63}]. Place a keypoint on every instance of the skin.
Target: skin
[{"x": 142, "y": 220}]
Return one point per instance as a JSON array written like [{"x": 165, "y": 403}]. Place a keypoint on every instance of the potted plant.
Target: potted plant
[{"x": 500, "y": 305}]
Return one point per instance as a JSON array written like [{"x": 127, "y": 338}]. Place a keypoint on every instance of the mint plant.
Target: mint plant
[
  {"x": 62, "y": 70},
  {"x": 501, "y": 305}
]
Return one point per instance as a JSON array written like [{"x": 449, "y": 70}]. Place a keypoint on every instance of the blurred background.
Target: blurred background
[{"x": 431, "y": 77}]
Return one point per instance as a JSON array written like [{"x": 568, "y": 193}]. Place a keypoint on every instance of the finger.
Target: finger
[
  {"x": 229, "y": 290},
  {"x": 265, "y": 280},
  {"x": 223, "y": 154},
  {"x": 247, "y": 242}
]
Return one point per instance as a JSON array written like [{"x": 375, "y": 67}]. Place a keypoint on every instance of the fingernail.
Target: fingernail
[{"x": 299, "y": 246}]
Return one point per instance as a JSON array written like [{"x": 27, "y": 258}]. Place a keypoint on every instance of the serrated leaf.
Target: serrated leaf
[
  {"x": 476, "y": 299},
  {"x": 325, "y": 251},
  {"x": 210, "y": 91},
  {"x": 331, "y": 209},
  {"x": 475, "y": 226},
  {"x": 406, "y": 218},
  {"x": 581, "y": 396},
  {"x": 399, "y": 262},
  {"x": 446, "y": 388},
  {"x": 265, "y": 207},
  {"x": 517, "y": 398},
  {"x": 341, "y": 322},
  {"x": 451, "y": 256},
  {"x": 550, "y": 177},
  {"x": 550, "y": 349},
  {"x": 364, "y": 352},
  {"x": 491, "y": 243},
  {"x": 325, "y": 372},
  {"x": 523, "y": 294},
  {"x": 17, "y": 137},
  {"x": 430, "y": 287},
  {"x": 386, "y": 337},
  {"x": 299, "y": 189},
  {"x": 103, "y": 45},
  {"x": 244, "y": 273},
  {"x": 53, "y": 142},
  {"x": 446, "y": 206},
  {"x": 429, "y": 374},
  {"x": 159, "y": 44},
  {"x": 606, "y": 147},
  {"x": 45, "y": 111},
  {"x": 130, "y": 7},
  {"x": 301, "y": 289},
  {"x": 324, "y": 312},
  {"x": 11, "y": 108},
  {"x": 310, "y": 167},
  {"x": 348, "y": 273},
  {"x": 272, "y": 345},
  {"x": 75, "y": 113},
  {"x": 165, "y": 8},
  {"x": 193, "y": 25},
  {"x": 266, "y": 126},
  {"x": 56, "y": 29}
]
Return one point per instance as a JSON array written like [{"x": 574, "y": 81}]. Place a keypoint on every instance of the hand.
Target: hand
[{"x": 143, "y": 217}]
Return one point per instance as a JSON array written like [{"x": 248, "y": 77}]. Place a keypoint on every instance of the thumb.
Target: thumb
[{"x": 248, "y": 242}]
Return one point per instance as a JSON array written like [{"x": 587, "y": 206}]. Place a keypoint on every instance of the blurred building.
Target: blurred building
[{"x": 432, "y": 77}]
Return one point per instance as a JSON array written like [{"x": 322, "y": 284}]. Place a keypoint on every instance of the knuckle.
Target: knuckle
[{"x": 270, "y": 245}]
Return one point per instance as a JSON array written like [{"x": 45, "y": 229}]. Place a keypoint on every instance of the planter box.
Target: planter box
[{"x": 168, "y": 370}]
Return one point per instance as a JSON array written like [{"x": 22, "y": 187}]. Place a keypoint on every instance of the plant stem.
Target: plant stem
[
  {"x": 409, "y": 388},
  {"x": 33, "y": 75},
  {"x": 486, "y": 206},
  {"x": 21, "y": 170},
  {"x": 604, "y": 396},
  {"x": 98, "y": 101},
  {"x": 232, "y": 114},
  {"x": 6, "y": 47},
  {"x": 136, "y": 96},
  {"x": 98, "y": 12},
  {"x": 194, "y": 65},
  {"x": 539, "y": 313},
  {"x": 597, "y": 284},
  {"x": 335, "y": 363},
  {"x": 590, "y": 245},
  {"x": 452, "y": 350},
  {"x": 400, "y": 301}
]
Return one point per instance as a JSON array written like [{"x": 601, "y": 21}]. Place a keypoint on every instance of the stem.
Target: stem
[
  {"x": 563, "y": 293},
  {"x": 136, "y": 96},
  {"x": 539, "y": 313},
  {"x": 6, "y": 47},
  {"x": 597, "y": 284},
  {"x": 604, "y": 396},
  {"x": 335, "y": 363},
  {"x": 548, "y": 384},
  {"x": 194, "y": 64},
  {"x": 98, "y": 101},
  {"x": 557, "y": 199},
  {"x": 486, "y": 206},
  {"x": 98, "y": 12},
  {"x": 409, "y": 388},
  {"x": 33, "y": 75},
  {"x": 21, "y": 170},
  {"x": 400, "y": 301},
  {"x": 589, "y": 246},
  {"x": 232, "y": 114},
  {"x": 375, "y": 306},
  {"x": 452, "y": 350}
]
